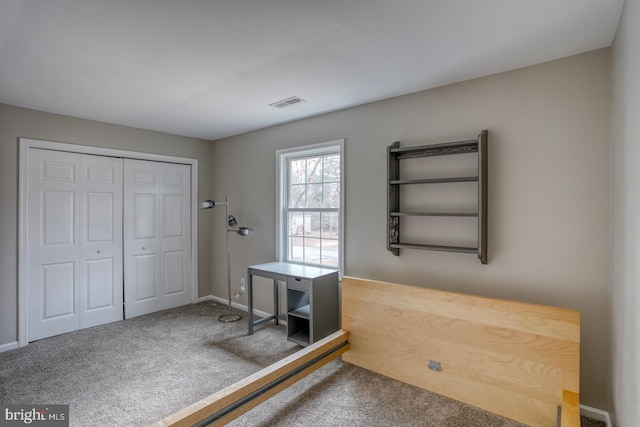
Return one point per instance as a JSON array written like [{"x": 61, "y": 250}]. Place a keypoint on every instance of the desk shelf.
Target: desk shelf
[
  {"x": 301, "y": 337},
  {"x": 302, "y": 312}
]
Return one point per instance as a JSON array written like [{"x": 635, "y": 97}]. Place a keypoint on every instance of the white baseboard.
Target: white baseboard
[
  {"x": 234, "y": 304},
  {"x": 9, "y": 346},
  {"x": 595, "y": 414}
]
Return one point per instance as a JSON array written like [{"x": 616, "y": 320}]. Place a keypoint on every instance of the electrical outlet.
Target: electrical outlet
[
  {"x": 242, "y": 283},
  {"x": 435, "y": 365}
]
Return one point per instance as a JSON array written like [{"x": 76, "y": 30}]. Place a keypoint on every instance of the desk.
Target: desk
[{"x": 307, "y": 288}]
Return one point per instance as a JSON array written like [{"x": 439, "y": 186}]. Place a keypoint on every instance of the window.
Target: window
[{"x": 310, "y": 200}]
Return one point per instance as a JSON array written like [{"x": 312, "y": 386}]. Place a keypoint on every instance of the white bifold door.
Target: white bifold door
[
  {"x": 157, "y": 230},
  {"x": 75, "y": 242},
  {"x": 108, "y": 238}
]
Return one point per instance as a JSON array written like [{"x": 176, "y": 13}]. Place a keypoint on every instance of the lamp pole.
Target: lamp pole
[
  {"x": 242, "y": 231},
  {"x": 229, "y": 317}
]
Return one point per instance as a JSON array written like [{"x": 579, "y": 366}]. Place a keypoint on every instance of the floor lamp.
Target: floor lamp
[{"x": 231, "y": 228}]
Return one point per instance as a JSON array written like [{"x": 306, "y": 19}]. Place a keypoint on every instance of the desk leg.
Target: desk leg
[
  {"x": 276, "y": 310},
  {"x": 250, "y": 302}
]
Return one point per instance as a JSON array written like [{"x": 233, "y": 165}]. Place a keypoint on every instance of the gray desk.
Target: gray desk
[{"x": 312, "y": 299}]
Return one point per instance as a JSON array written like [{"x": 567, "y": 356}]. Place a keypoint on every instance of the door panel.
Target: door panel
[
  {"x": 145, "y": 207},
  {"x": 99, "y": 276},
  {"x": 101, "y": 235},
  {"x": 58, "y": 290},
  {"x": 174, "y": 272},
  {"x": 157, "y": 236},
  {"x": 146, "y": 279},
  {"x": 58, "y": 215},
  {"x": 141, "y": 243},
  {"x": 52, "y": 252},
  {"x": 61, "y": 167},
  {"x": 100, "y": 217},
  {"x": 176, "y": 234},
  {"x": 172, "y": 212}
]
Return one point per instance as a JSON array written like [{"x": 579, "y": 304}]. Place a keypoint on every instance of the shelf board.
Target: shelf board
[
  {"x": 453, "y": 214},
  {"x": 434, "y": 180},
  {"x": 456, "y": 147},
  {"x": 303, "y": 312},
  {"x": 435, "y": 248},
  {"x": 301, "y": 338}
]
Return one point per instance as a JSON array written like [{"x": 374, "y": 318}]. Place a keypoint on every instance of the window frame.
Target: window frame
[{"x": 283, "y": 156}]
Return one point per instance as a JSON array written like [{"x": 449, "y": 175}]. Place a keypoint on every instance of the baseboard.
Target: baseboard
[
  {"x": 595, "y": 414},
  {"x": 9, "y": 346},
  {"x": 235, "y": 305}
]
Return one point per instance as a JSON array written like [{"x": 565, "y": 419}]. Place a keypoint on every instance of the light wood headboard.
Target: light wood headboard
[{"x": 511, "y": 358}]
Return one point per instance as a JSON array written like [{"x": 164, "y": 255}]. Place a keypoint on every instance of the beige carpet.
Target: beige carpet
[{"x": 134, "y": 372}]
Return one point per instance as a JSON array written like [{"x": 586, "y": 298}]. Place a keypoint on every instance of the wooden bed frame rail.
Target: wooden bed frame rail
[{"x": 229, "y": 403}]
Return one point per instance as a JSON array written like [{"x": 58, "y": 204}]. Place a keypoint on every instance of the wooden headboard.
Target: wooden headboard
[{"x": 511, "y": 358}]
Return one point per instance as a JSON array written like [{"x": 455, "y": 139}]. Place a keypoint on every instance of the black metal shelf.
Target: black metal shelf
[
  {"x": 434, "y": 180},
  {"x": 460, "y": 214},
  {"x": 441, "y": 248},
  {"x": 443, "y": 149},
  {"x": 395, "y": 154}
]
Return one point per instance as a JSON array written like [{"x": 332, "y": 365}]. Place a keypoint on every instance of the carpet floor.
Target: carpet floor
[{"x": 137, "y": 371}]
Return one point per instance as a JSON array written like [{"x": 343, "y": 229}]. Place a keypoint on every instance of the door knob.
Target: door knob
[
  {"x": 144, "y": 248},
  {"x": 99, "y": 251}
]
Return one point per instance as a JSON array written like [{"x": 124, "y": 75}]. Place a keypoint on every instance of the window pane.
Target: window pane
[
  {"x": 314, "y": 169},
  {"x": 297, "y": 196},
  {"x": 295, "y": 251},
  {"x": 330, "y": 225},
  {"x": 297, "y": 171},
  {"x": 296, "y": 223},
  {"x": 331, "y": 195},
  {"x": 314, "y": 196},
  {"x": 332, "y": 168},
  {"x": 312, "y": 220},
  {"x": 312, "y": 250},
  {"x": 329, "y": 253}
]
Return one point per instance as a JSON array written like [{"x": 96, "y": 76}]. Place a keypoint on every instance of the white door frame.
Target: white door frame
[{"x": 25, "y": 145}]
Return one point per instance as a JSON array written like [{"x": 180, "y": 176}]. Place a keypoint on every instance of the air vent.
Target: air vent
[{"x": 287, "y": 102}]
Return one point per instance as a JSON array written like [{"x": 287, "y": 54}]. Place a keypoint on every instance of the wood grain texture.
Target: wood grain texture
[
  {"x": 222, "y": 399},
  {"x": 507, "y": 357}
]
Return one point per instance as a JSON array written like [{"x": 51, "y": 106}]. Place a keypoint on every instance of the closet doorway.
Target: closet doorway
[{"x": 104, "y": 235}]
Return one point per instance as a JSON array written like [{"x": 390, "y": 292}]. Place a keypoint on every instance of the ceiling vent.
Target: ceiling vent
[{"x": 287, "y": 102}]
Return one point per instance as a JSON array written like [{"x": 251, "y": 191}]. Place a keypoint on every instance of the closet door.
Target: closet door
[
  {"x": 157, "y": 246},
  {"x": 101, "y": 240},
  {"x": 175, "y": 234},
  {"x": 74, "y": 272}
]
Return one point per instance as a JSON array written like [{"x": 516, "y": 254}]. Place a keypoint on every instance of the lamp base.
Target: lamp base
[{"x": 231, "y": 317}]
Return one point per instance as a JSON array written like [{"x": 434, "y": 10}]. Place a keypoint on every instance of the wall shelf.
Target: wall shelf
[{"x": 395, "y": 154}]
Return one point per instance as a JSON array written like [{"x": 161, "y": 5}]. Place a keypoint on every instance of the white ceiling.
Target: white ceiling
[{"x": 210, "y": 68}]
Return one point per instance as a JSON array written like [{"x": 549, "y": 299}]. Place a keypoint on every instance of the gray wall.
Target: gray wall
[
  {"x": 19, "y": 122},
  {"x": 625, "y": 272},
  {"x": 549, "y": 136}
]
